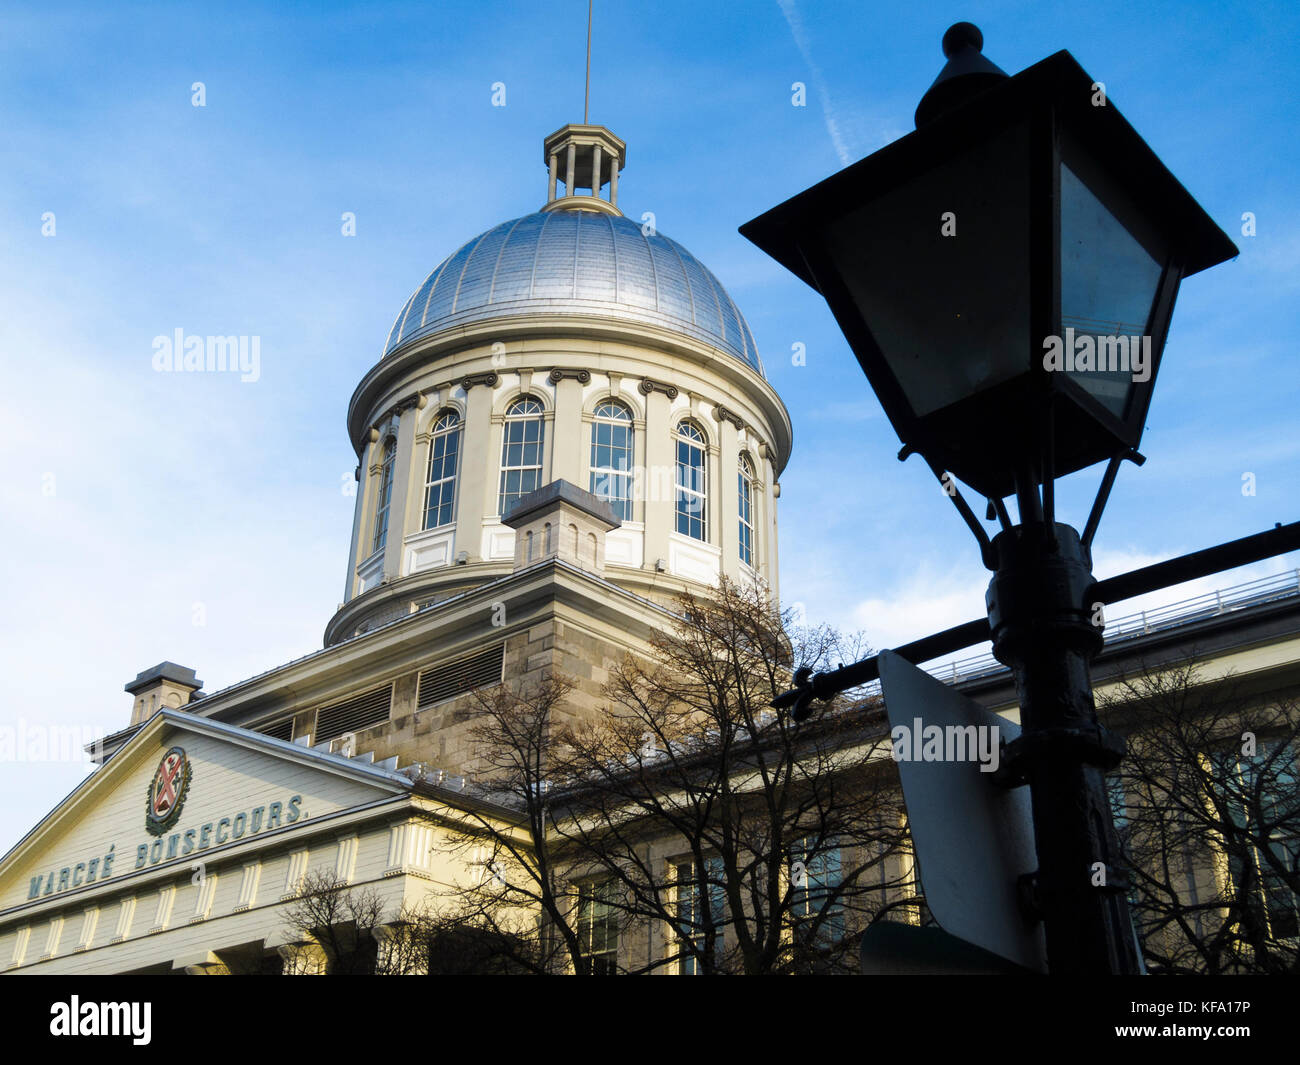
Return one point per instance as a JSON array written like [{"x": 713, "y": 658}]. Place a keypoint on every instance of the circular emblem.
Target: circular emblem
[{"x": 167, "y": 790}]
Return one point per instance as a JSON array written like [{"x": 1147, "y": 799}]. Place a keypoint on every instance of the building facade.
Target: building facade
[{"x": 568, "y": 426}]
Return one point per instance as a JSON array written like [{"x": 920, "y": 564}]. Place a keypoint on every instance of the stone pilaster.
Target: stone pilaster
[
  {"x": 568, "y": 459},
  {"x": 769, "y": 545},
  {"x": 304, "y": 957},
  {"x": 659, "y": 477},
  {"x": 477, "y": 464},
  {"x": 360, "y": 526},
  {"x": 403, "y": 489},
  {"x": 727, "y": 534},
  {"x": 400, "y": 953}
]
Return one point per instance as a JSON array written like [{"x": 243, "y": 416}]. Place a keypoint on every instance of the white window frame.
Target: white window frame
[
  {"x": 691, "y": 501},
  {"x": 748, "y": 541},
  {"x": 447, "y": 433},
  {"x": 606, "y": 478},
  {"x": 384, "y": 500},
  {"x": 521, "y": 411}
]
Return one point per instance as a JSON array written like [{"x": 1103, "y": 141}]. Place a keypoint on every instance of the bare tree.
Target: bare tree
[
  {"x": 350, "y": 930},
  {"x": 515, "y": 903},
  {"x": 687, "y": 816},
  {"x": 755, "y": 841},
  {"x": 759, "y": 844},
  {"x": 1209, "y": 803}
]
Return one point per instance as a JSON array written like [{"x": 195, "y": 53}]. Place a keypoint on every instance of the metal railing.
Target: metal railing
[{"x": 1144, "y": 622}]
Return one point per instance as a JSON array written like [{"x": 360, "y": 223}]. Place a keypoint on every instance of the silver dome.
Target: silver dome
[{"x": 565, "y": 262}]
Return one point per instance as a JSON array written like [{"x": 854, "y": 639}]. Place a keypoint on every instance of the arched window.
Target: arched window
[
  {"x": 692, "y": 489},
  {"x": 521, "y": 452},
  {"x": 611, "y": 458},
  {"x": 444, "y": 459},
  {"x": 385, "y": 495},
  {"x": 745, "y": 479}
]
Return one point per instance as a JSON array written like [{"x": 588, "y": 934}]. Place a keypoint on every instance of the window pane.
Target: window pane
[
  {"x": 598, "y": 926},
  {"x": 385, "y": 496},
  {"x": 611, "y": 458},
  {"x": 694, "y": 890},
  {"x": 691, "y": 497},
  {"x": 521, "y": 452},
  {"x": 745, "y": 487},
  {"x": 440, "y": 483}
]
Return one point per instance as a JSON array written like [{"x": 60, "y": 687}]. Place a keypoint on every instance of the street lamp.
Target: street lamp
[{"x": 1005, "y": 276}]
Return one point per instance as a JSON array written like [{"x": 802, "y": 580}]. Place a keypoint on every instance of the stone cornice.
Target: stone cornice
[
  {"x": 558, "y": 374},
  {"x": 722, "y": 414},
  {"x": 490, "y": 378},
  {"x": 415, "y": 401},
  {"x": 456, "y": 343},
  {"x": 647, "y": 386}
]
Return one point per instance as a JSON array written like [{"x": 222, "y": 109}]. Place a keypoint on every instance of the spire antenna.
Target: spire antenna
[
  {"x": 586, "y": 93},
  {"x": 582, "y": 159}
]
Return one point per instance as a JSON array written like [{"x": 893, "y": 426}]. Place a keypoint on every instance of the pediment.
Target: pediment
[{"x": 184, "y": 787}]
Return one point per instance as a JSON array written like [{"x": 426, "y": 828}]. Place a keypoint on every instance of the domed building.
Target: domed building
[
  {"x": 573, "y": 344},
  {"x": 568, "y": 426}
]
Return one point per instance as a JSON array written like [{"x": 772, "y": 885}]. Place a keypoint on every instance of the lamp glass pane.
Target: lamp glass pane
[
  {"x": 938, "y": 269},
  {"x": 1108, "y": 285}
]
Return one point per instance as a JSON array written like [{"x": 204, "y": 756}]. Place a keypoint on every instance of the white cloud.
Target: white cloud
[
  {"x": 930, "y": 602},
  {"x": 923, "y": 604}
]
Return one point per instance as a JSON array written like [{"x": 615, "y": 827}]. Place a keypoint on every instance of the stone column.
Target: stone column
[
  {"x": 769, "y": 545},
  {"x": 358, "y": 550},
  {"x": 728, "y": 508},
  {"x": 216, "y": 968},
  {"x": 613, "y": 180},
  {"x": 477, "y": 466},
  {"x": 554, "y": 173},
  {"x": 398, "y": 505},
  {"x": 659, "y": 479},
  {"x": 414, "y": 510},
  {"x": 204, "y": 963},
  {"x": 400, "y": 952},
  {"x": 568, "y": 460},
  {"x": 595, "y": 171},
  {"x": 569, "y": 165},
  {"x": 302, "y": 958}
]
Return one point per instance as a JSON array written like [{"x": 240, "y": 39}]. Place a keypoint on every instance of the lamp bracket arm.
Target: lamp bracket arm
[
  {"x": 1103, "y": 493},
  {"x": 951, "y": 490}
]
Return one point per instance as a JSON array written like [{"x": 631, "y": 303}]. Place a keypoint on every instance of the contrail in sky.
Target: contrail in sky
[{"x": 795, "y": 22}]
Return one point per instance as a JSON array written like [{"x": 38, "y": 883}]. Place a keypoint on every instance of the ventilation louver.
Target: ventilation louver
[
  {"x": 352, "y": 715},
  {"x": 281, "y": 730},
  {"x": 450, "y": 679}
]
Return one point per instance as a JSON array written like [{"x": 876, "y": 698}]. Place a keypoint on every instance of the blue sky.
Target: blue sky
[{"x": 196, "y": 518}]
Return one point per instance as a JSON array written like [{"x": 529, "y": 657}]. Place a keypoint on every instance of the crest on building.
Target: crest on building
[{"x": 167, "y": 791}]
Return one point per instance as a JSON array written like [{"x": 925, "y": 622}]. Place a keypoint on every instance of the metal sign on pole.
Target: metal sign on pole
[{"x": 973, "y": 839}]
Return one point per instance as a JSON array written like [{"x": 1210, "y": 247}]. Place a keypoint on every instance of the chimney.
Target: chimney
[
  {"x": 165, "y": 685},
  {"x": 561, "y": 521}
]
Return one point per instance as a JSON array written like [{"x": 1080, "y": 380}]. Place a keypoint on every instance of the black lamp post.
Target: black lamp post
[{"x": 1006, "y": 275}]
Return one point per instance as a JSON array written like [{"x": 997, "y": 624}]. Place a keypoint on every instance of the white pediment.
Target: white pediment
[{"x": 182, "y": 789}]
